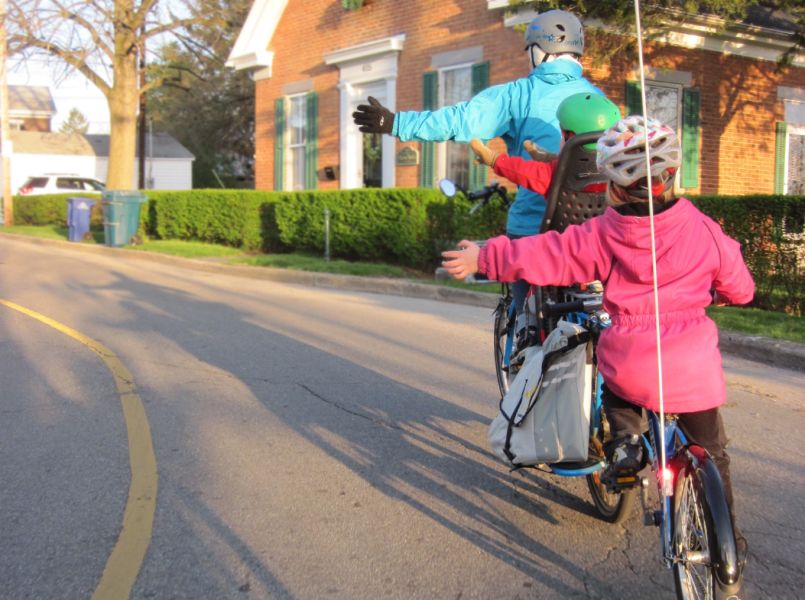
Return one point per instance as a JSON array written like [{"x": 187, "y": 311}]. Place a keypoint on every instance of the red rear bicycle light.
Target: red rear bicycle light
[{"x": 668, "y": 481}]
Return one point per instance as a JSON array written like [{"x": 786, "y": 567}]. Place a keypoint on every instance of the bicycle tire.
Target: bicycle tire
[
  {"x": 692, "y": 538},
  {"x": 503, "y": 329}
]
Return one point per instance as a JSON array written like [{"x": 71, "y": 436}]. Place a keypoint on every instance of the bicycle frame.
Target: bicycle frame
[{"x": 665, "y": 481}]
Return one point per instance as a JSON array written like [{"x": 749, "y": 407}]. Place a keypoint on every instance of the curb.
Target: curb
[{"x": 778, "y": 353}]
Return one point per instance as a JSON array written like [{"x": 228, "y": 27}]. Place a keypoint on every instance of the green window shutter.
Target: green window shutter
[
  {"x": 480, "y": 77},
  {"x": 779, "y": 157},
  {"x": 480, "y": 81},
  {"x": 634, "y": 101},
  {"x": 279, "y": 143},
  {"x": 427, "y": 170},
  {"x": 690, "y": 138},
  {"x": 312, "y": 145}
]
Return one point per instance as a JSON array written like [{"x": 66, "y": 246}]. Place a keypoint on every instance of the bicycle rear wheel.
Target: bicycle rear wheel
[
  {"x": 503, "y": 333},
  {"x": 613, "y": 507},
  {"x": 693, "y": 537}
]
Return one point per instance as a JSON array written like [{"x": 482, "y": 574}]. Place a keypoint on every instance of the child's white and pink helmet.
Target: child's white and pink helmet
[{"x": 621, "y": 151}]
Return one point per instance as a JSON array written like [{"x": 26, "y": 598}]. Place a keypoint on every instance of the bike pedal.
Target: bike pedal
[{"x": 619, "y": 483}]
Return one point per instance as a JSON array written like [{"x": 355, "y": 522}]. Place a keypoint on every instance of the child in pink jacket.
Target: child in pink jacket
[{"x": 694, "y": 256}]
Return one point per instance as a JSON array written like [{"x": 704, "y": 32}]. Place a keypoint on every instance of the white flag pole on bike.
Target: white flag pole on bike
[{"x": 653, "y": 257}]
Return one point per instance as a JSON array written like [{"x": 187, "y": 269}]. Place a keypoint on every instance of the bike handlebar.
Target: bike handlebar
[{"x": 485, "y": 194}]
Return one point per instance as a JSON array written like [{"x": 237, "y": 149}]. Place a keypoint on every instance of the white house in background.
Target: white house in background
[{"x": 168, "y": 164}]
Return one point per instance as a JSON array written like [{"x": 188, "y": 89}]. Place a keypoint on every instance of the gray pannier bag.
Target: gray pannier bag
[{"x": 545, "y": 416}]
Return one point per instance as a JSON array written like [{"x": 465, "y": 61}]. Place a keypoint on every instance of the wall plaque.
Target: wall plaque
[{"x": 407, "y": 157}]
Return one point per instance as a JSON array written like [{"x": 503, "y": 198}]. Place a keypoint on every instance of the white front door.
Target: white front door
[{"x": 367, "y": 152}]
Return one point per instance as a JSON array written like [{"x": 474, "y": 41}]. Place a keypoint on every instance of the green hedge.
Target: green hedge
[
  {"x": 51, "y": 209},
  {"x": 410, "y": 227},
  {"x": 771, "y": 232},
  {"x": 229, "y": 217}
]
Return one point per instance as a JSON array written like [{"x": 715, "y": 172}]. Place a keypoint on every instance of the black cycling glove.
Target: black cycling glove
[{"x": 373, "y": 117}]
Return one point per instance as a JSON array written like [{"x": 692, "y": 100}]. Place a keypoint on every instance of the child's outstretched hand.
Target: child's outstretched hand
[
  {"x": 463, "y": 262},
  {"x": 484, "y": 154},
  {"x": 538, "y": 153}
]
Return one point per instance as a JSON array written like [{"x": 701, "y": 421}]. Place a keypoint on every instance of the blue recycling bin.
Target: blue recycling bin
[
  {"x": 78, "y": 217},
  {"x": 121, "y": 216}
]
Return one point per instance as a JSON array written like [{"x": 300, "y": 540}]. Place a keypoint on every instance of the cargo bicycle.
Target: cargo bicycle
[{"x": 697, "y": 540}]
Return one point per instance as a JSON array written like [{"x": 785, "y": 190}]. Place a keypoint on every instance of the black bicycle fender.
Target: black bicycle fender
[{"x": 726, "y": 554}]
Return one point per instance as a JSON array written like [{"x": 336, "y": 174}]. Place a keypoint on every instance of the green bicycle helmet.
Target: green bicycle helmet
[{"x": 586, "y": 112}]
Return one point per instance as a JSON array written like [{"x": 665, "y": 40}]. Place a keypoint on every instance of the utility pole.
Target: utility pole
[
  {"x": 5, "y": 135},
  {"x": 141, "y": 126}
]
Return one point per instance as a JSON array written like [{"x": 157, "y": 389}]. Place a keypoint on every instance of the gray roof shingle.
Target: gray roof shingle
[
  {"x": 40, "y": 142},
  {"x": 30, "y": 99}
]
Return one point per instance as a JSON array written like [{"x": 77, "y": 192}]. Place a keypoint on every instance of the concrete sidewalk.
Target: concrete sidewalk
[{"x": 778, "y": 353}]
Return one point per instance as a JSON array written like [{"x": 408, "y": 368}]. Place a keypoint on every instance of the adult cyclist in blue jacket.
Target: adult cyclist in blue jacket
[{"x": 524, "y": 109}]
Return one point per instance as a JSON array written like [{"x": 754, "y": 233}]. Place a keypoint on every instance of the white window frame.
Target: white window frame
[
  {"x": 289, "y": 183},
  {"x": 441, "y": 147}
]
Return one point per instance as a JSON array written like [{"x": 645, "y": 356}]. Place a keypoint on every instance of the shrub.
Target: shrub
[
  {"x": 50, "y": 209},
  {"x": 770, "y": 231},
  {"x": 229, "y": 217},
  {"x": 410, "y": 227},
  {"x": 368, "y": 224}
]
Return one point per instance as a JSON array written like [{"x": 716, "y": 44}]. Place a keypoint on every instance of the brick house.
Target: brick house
[
  {"x": 30, "y": 108},
  {"x": 741, "y": 119}
]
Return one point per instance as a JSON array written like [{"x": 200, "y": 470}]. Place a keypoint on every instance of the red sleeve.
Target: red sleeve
[
  {"x": 549, "y": 258},
  {"x": 531, "y": 174}
]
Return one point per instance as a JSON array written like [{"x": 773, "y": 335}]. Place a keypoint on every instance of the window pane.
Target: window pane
[
  {"x": 663, "y": 104},
  {"x": 372, "y": 160},
  {"x": 457, "y": 88},
  {"x": 297, "y": 121},
  {"x": 796, "y": 164},
  {"x": 458, "y": 163},
  {"x": 457, "y": 85},
  {"x": 298, "y": 168}
]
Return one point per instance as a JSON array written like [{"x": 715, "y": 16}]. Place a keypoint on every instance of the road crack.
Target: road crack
[{"x": 341, "y": 407}]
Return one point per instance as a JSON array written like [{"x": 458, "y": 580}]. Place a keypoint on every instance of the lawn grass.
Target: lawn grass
[
  {"x": 49, "y": 232},
  {"x": 304, "y": 262},
  {"x": 754, "y": 321},
  {"x": 750, "y": 321},
  {"x": 187, "y": 249}
]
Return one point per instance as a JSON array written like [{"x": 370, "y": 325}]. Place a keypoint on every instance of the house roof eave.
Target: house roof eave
[
  {"x": 250, "y": 49},
  {"x": 705, "y": 32}
]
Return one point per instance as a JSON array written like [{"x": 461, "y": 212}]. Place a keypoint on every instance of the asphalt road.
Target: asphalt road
[{"x": 312, "y": 444}]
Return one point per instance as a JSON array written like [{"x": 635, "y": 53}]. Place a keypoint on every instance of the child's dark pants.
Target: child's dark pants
[{"x": 704, "y": 428}]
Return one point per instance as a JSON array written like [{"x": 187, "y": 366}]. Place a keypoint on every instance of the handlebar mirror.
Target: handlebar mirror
[{"x": 447, "y": 187}]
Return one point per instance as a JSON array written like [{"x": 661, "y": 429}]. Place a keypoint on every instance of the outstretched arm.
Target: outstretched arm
[
  {"x": 549, "y": 258},
  {"x": 530, "y": 174},
  {"x": 463, "y": 262},
  {"x": 485, "y": 116}
]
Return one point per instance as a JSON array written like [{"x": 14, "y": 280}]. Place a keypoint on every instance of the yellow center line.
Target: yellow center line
[{"x": 127, "y": 556}]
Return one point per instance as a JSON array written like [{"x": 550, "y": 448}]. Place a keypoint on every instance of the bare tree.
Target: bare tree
[{"x": 103, "y": 40}]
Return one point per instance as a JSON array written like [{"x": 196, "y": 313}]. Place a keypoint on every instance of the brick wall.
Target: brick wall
[
  {"x": 739, "y": 105},
  {"x": 36, "y": 124}
]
